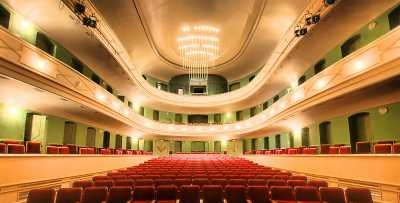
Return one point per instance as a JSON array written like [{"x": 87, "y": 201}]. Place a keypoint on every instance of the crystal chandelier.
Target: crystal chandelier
[{"x": 198, "y": 48}]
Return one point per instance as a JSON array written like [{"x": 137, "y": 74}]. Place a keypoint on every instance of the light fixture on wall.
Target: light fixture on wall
[{"x": 198, "y": 47}]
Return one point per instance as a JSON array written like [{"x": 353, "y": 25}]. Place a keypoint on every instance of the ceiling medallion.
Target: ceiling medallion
[{"x": 198, "y": 47}]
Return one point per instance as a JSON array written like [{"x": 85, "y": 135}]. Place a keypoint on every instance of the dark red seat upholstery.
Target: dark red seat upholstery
[
  {"x": 238, "y": 182},
  {"x": 15, "y": 149},
  {"x": 104, "y": 183},
  {"x": 119, "y": 194},
  {"x": 271, "y": 183},
  {"x": 69, "y": 195},
  {"x": 73, "y": 149},
  {"x": 94, "y": 195},
  {"x": 163, "y": 181},
  {"x": 200, "y": 181},
  {"x": 52, "y": 150},
  {"x": 33, "y": 147},
  {"x": 259, "y": 182},
  {"x": 358, "y": 195},
  {"x": 258, "y": 194},
  {"x": 383, "y": 148},
  {"x": 127, "y": 182},
  {"x": 396, "y": 148},
  {"x": 345, "y": 150},
  {"x": 167, "y": 193},
  {"x": 82, "y": 184},
  {"x": 363, "y": 147},
  {"x": 235, "y": 193},
  {"x": 294, "y": 183},
  {"x": 97, "y": 178},
  {"x": 307, "y": 194},
  {"x": 333, "y": 150},
  {"x": 332, "y": 195},
  {"x": 324, "y": 148},
  {"x": 281, "y": 177},
  {"x": 3, "y": 148},
  {"x": 182, "y": 181},
  {"x": 63, "y": 150},
  {"x": 298, "y": 178},
  {"x": 282, "y": 193},
  {"x": 190, "y": 194},
  {"x": 144, "y": 182},
  {"x": 41, "y": 196},
  {"x": 143, "y": 194},
  {"x": 213, "y": 194},
  {"x": 317, "y": 183},
  {"x": 221, "y": 181}
]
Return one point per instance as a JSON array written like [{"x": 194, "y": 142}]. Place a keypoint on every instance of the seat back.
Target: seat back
[
  {"x": 363, "y": 147},
  {"x": 282, "y": 193},
  {"x": 166, "y": 192},
  {"x": 235, "y": 193},
  {"x": 33, "y": 147},
  {"x": 260, "y": 182},
  {"x": 82, "y": 184},
  {"x": 358, "y": 195},
  {"x": 69, "y": 195},
  {"x": 104, "y": 183},
  {"x": 143, "y": 193},
  {"x": 317, "y": 183},
  {"x": 396, "y": 148},
  {"x": 63, "y": 150},
  {"x": 3, "y": 148},
  {"x": 94, "y": 194},
  {"x": 119, "y": 194},
  {"x": 52, "y": 150},
  {"x": 200, "y": 181},
  {"x": 294, "y": 183},
  {"x": 306, "y": 193},
  {"x": 126, "y": 182},
  {"x": 190, "y": 194},
  {"x": 333, "y": 150},
  {"x": 41, "y": 196},
  {"x": 182, "y": 181},
  {"x": 220, "y": 181},
  {"x": 164, "y": 181},
  {"x": 273, "y": 182},
  {"x": 238, "y": 182},
  {"x": 15, "y": 149},
  {"x": 345, "y": 150},
  {"x": 213, "y": 194},
  {"x": 144, "y": 182},
  {"x": 383, "y": 148},
  {"x": 332, "y": 194},
  {"x": 258, "y": 194}
]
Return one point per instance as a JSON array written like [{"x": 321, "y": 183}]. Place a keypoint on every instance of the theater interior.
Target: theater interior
[{"x": 211, "y": 101}]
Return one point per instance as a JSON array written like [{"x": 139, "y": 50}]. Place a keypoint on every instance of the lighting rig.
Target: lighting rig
[{"x": 87, "y": 20}]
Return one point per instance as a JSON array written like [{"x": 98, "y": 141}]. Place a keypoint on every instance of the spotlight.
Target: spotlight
[
  {"x": 300, "y": 31},
  {"x": 89, "y": 21},
  {"x": 313, "y": 19},
  {"x": 329, "y": 2},
  {"x": 79, "y": 8}
]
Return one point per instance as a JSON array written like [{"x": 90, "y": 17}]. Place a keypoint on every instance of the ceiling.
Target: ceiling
[{"x": 249, "y": 31}]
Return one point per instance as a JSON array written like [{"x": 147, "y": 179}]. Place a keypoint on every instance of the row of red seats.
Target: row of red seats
[
  {"x": 361, "y": 148},
  {"x": 32, "y": 147},
  {"x": 192, "y": 194}
]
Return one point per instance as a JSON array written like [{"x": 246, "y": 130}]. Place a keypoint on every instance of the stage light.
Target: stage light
[
  {"x": 79, "y": 8},
  {"x": 89, "y": 21},
  {"x": 300, "y": 31}
]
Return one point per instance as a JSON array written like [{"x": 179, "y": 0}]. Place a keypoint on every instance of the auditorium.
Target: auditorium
[{"x": 199, "y": 101}]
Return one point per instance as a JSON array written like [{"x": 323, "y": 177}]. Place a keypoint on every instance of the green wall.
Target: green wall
[{"x": 12, "y": 122}]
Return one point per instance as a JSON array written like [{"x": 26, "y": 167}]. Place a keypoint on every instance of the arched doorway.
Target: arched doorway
[
  {"x": 217, "y": 146},
  {"x": 325, "y": 132},
  {"x": 360, "y": 128},
  {"x": 91, "y": 137},
  {"x": 277, "y": 141},
  {"x": 253, "y": 144},
  {"x": 69, "y": 132},
  {"x": 106, "y": 139},
  {"x": 305, "y": 137}
]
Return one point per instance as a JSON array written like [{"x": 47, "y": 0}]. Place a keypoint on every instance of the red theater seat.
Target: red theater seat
[
  {"x": 166, "y": 193},
  {"x": 94, "y": 195},
  {"x": 73, "y": 149},
  {"x": 317, "y": 183},
  {"x": 307, "y": 194},
  {"x": 396, "y": 148},
  {"x": 259, "y": 182},
  {"x": 324, "y": 148},
  {"x": 221, "y": 181},
  {"x": 294, "y": 183},
  {"x": 33, "y": 147},
  {"x": 332, "y": 194},
  {"x": 345, "y": 150},
  {"x": 190, "y": 194},
  {"x": 298, "y": 177},
  {"x": 235, "y": 193},
  {"x": 363, "y": 147},
  {"x": 237, "y": 182},
  {"x": 282, "y": 193},
  {"x": 200, "y": 181},
  {"x": 383, "y": 148},
  {"x": 281, "y": 177},
  {"x": 15, "y": 149},
  {"x": 104, "y": 183},
  {"x": 126, "y": 182},
  {"x": 52, "y": 150},
  {"x": 82, "y": 184},
  {"x": 164, "y": 181},
  {"x": 3, "y": 148},
  {"x": 213, "y": 194},
  {"x": 258, "y": 194},
  {"x": 333, "y": 150},
  {"x": 358, "y": 195},
  {"x": 143, "y": 194},
  {"x": 69, "y": 195},
  {"x": 271, "y": 183},
  {"x": 63, "y": 150},
  {"x": 144, "y": 182},
  {"x": 182, "y": 181},
  {"x": 97, "y": 178},
  {"x": 119, "y": 194},
  {"x": 41, "y": 196}
]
